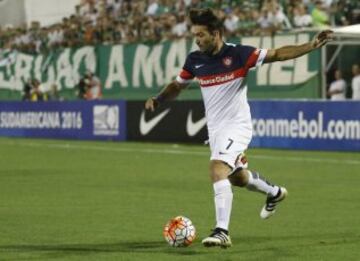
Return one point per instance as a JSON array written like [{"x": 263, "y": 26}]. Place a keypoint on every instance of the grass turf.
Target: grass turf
[{"x": 72, "y": 200}]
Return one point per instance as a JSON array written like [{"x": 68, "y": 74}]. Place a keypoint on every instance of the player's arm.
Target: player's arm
[
  {"x": 170, "y": 92},
  {"x": 294, "y": 51}
]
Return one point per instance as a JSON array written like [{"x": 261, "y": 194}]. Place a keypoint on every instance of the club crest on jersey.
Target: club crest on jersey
[{"x": 227, "y": 61}]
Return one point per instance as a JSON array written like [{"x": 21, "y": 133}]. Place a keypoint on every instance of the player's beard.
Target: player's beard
[{"x": 210, "y": 49}]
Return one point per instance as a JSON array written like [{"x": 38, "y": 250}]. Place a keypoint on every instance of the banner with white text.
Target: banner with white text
[
  {"x": 308, "y": 125},
  {"x": 136, "y": 71},
  {"x": 312, "y": 125},
  {"x": 102, "y": 120}
]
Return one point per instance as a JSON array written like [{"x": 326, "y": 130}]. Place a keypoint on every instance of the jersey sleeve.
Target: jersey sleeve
[
  {"x": 252, "y": 56},
  {"x": 186, "y": 75}
]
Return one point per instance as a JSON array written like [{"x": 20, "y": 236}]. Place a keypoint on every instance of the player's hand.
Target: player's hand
[
  {"x": 151, "y": 104},
  {"x": 322, "y": 38}
]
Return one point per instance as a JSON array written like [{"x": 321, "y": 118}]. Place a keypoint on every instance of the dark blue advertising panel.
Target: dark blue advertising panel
[
  {"x": 179, "y": 121},
  {"x": 70, "y": 120},
  {"x": 312, "y": 125}
]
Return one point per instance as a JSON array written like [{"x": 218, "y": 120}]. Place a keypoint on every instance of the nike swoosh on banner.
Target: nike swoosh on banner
[
  {"x": 192, "y": 128},
  {"x": 147, "y": 126}
]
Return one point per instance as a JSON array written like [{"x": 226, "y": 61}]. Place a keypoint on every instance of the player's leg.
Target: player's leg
[
  {"x": 223, "y": 155},
  {"x": 223, "y": 197},
  {"x": 232, "y": 145},
  {"x": 242, "y": 177}
]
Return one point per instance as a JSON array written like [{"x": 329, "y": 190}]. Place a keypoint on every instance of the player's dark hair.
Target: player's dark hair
[{"x": 206, "y": 17}]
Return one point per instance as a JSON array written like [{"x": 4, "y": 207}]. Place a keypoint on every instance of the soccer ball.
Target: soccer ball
[{"x": 179, "y": 232}]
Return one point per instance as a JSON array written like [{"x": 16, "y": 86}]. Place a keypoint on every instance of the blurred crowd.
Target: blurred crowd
[
  {"x": 88, "y": 88},
  {"x": 152, "y": 21},
  {"x": 34, "y": 91},
  {"x": 132, "y": 21},
  {"x": 340, "y": 89}
]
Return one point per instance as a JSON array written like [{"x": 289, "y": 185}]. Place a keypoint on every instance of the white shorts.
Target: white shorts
[{"x": 229, "y": 145}]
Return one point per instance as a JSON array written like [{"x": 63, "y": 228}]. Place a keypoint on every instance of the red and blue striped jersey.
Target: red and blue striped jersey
[{"x": 221, "y": 79}]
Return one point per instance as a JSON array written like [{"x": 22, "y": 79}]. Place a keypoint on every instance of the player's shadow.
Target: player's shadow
[
  {"x": 61, "y": 250},
  {"x": 286, "y": 242}
]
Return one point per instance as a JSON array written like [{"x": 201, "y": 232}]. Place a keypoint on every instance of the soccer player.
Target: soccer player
[{"x": 221, "y": 69}]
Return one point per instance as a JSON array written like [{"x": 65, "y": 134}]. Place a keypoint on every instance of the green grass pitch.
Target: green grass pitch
[{"x": 73, "y": 200}]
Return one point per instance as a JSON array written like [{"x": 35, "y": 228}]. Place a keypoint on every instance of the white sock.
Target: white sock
[
  {"x": 223, "y": 203},
  {"x": 258, "y": 183}
]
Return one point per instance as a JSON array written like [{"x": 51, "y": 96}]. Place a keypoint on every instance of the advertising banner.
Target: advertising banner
[
  {"x": 100, "y": 120},
  {"x": 180, "y": 121},
  {"x": 310, "y": 125},
  {"x": 136, "y": 71}
]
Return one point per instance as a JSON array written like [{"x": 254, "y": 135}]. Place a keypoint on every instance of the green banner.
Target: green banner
[{"x": 136, "y": 71}]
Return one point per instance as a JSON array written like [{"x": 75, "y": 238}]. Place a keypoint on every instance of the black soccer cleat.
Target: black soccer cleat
[
  {"x": 219, "y": 237},
  {"x": 269, "y": 208}
]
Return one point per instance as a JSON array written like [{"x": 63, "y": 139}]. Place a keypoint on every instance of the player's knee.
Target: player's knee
[
  {"x": 239, "y": 177},
  {"x": 218, "y": 170}
]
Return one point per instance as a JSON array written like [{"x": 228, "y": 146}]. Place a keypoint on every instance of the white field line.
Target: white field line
[{"x": 178, "y": 152}]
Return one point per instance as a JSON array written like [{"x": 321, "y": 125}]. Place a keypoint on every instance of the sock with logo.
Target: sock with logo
[
  {"x": 260, "y": 184},
  {"x": 223, "y": 203}
]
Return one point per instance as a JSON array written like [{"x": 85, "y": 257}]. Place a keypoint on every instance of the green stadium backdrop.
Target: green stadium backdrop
[{"x": 135, "y": 71}]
